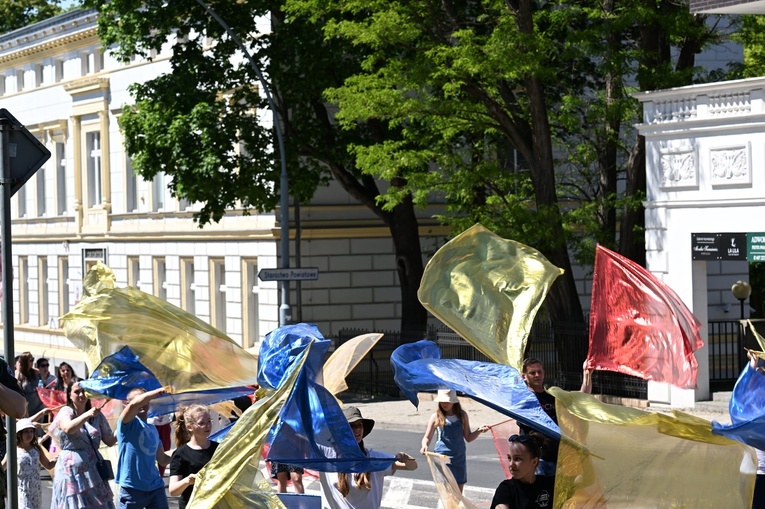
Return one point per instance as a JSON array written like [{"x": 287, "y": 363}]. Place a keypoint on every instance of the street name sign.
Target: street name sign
[
  {"x": 26, "y": 153},
  {"x": 289, "y": 274}
]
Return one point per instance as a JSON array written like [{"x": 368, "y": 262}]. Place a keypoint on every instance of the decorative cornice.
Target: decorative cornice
[
  {"x": 46, "y": 46},
  {"x": 86, "y": 84}
]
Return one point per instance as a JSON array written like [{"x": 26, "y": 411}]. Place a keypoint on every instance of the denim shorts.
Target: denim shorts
[{"x": 137, "y": 499}]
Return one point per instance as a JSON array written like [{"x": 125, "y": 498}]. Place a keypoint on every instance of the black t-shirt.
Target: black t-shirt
[
  {"x": 7, "y": 378},
  {"x": 518, "y": 495},
  {"x": 550, "y": 447},
  {"x": 187, "y": 461}
]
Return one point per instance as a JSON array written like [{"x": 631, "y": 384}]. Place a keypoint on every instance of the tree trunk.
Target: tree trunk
[
  {"x": 631, "y": 236},
  {"x": 404, "y": 230}
]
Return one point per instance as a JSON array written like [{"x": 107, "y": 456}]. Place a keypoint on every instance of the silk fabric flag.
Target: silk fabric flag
[
  {"x": 639, "y": 326},
  {"x": 121, "y": 372},
  {"x": 232, "y": 479},
  {"x": 488, "y": 289},
  {"x": 633, "y": 458},
  {"x": 448, "y": 490},
  {"x": 746, "y": 409},
  {"x": 419, "y": 367},
  {"x": 172, "y": 343},
  {"x": 311, "y": 422},
  {"x": 344, "y": 359}
]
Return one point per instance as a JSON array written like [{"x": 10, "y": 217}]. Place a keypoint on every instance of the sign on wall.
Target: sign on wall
[
  {"x": 755, "y": 244},
  {"x": 720, "y": 246}
]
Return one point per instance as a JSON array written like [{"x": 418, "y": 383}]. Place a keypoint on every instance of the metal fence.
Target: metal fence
[{"x": 374, "y": 376}]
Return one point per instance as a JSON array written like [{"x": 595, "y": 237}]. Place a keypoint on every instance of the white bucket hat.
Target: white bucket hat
[
  {"x": 23, "y": 424},
  {"x": 446, "y": 396}
]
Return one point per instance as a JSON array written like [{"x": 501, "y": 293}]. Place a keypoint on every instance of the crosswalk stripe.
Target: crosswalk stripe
[{"x": 405, "y": 493}]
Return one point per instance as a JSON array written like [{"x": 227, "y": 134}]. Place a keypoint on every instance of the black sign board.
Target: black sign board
[
  {"x": 26, "y": 153},
  {"x": 718, "y": 246}
]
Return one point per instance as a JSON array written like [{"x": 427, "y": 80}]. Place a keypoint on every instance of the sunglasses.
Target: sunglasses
[
  {"x": 523, "y": 439},
  {"x": 44, "y": 365}
]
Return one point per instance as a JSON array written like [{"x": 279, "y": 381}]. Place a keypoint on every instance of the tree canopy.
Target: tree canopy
[
  {"x": 516, "y": 113},
  {"x": 20, "y": 13}
]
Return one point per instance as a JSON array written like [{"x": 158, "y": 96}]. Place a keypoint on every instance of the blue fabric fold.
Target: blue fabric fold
[
  {"x": 121, "y": 372},
  {"x": 747, "y": 410},
  {"x": 419, "y": 367},
  {"x": 311, "y": 430}
]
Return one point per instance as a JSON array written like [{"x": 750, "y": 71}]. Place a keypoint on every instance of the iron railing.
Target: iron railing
[{"x": 374, "y": 376}]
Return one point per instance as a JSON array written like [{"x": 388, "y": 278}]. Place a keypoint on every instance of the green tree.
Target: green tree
[
  {"x": 186, "y": 122},
  {"x": 20, "y": 13},
  {"x": 517, "y": 112}
]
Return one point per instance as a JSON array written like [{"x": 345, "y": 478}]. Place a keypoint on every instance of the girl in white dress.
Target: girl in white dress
[{"x": 29, "y": 457}]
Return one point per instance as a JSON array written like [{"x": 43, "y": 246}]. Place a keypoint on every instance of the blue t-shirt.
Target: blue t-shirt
[{"x": 137, "y": 467}]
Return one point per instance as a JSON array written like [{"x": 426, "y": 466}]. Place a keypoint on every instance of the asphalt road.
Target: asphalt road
[{"x": 484, "y": 471}]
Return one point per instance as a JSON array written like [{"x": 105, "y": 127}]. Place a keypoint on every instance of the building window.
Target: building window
[
  {"x": 23, "y": 289},
  {"x": 93, "y": 157},
  {"x": 188, "y": 285},
  {"x": 58, "y": 70},
  {"x": 63, "y": 285},
  {"x": 42, "y": 290},
  {"x": 40, "y": 191},
  {"x": 60, "y": 164},
  {"x": 21, "y": 196},
  {"x": 218, "y": 294},
  {"x": 250, "y": 303},
  {"x": 160, "y": 278},
  {"x": 38, "y": 75},
  {"x": 131, "y": 187},
  {"x": 158, "y": 192},
  {"x": 134, "y": 272}
]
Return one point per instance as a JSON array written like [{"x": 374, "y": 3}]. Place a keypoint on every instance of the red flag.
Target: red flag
[
  {"x": 639, "y": 326},
  {"x": 52, "y": 398}
]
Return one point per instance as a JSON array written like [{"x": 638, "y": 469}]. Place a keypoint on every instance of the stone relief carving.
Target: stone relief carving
[
  {"x": 730, "y": 165},
  {"x": 679, "y": 168}
]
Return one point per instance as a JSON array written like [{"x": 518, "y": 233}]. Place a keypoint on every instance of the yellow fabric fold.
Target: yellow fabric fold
[
  {"x": 232, "y": 479},
  {"x": 344, "y": 359},
  {"x": 179, "y": 348},
  {"x": 489, "y": 290},
  {"x": 446, "y": 485},
  {"x": 632, "y": 459}
]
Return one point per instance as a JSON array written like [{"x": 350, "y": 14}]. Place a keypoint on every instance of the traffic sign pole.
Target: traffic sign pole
[
  {"x": 21, "y": 155},
  {"x": 5, "y": 246}
]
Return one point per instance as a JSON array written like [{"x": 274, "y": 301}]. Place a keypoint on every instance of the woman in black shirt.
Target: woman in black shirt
[
  {"x": 525, "y": 490},
  {"x": 194, "y": 451}
]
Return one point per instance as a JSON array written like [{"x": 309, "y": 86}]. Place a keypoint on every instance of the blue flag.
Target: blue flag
[
  {"x": 121, "y": 372},
  {"x": 747, "y": 410},
  {"x": 419, "y": 367},
  {"x": 311, "y": 430}
]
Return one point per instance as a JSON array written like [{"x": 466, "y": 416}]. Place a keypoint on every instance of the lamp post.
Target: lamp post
[
  {"x": 285, "y": 310},
  {"x": 741, "y": 290}
]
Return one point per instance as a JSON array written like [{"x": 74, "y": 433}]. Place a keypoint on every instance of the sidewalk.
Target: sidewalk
[{"x": 402, "y": 415}]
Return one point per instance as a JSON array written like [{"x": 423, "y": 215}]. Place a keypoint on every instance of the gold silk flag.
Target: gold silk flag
[
  {"x": 232, "y": 479},
  {"x": 488, "y": 289},
  {"x": 619, "y": 457},
  {"x": 344, "y": 359},
  {"x": 447, "y": 487},
  {"x": 179, "y": 348}
]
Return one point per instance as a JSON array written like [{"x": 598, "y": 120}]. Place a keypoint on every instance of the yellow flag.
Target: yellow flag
[
  {"x": 232, "y": 479},
  {"x": 489, "y": 290},
  {"x": 614, "y": 456},
  {"x": 447, "y": 487},
  {"x": 344, "y": 359},
  {"x": 179, "y": 348}
]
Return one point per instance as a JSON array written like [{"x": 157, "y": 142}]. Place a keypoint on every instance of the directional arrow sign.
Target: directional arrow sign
[
  {"x": 26, "y": 152},
  {"x": 291, "y": 274}
]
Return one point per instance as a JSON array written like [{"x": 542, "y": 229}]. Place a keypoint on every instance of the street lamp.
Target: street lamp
[
  {"x": 285, "y": 311},
  {"x": 741, "y": 290}
]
